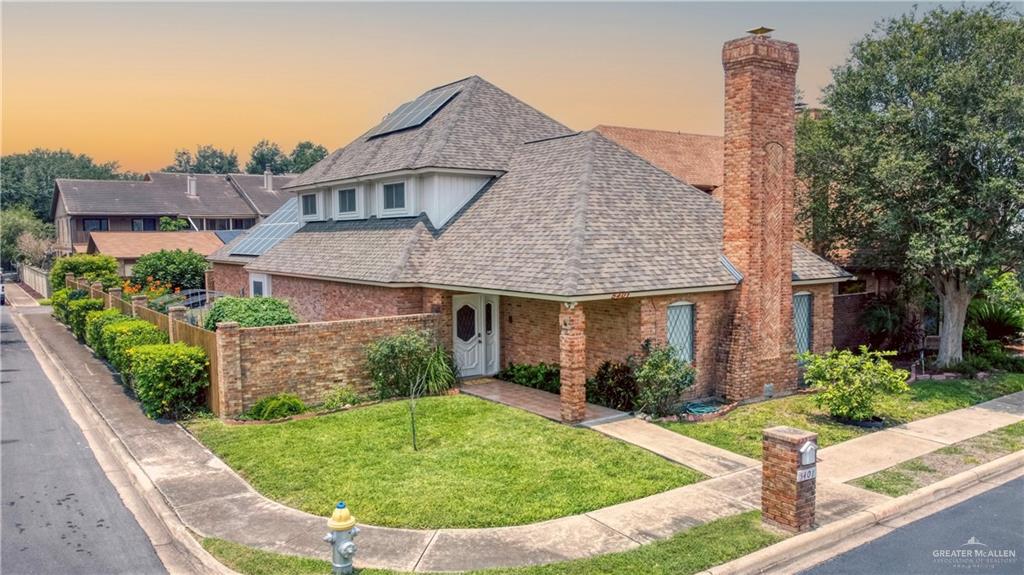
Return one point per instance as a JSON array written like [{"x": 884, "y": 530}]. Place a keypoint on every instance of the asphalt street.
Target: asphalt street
[
  {"x": 984, "y": 534},
  {"x": 60, "y": 513}
]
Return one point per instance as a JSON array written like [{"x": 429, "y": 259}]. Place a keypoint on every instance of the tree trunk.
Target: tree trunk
[{"x": 954, "y": 297}]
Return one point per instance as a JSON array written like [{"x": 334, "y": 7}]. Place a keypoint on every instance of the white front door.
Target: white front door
[{"x": 475, "y": 334}]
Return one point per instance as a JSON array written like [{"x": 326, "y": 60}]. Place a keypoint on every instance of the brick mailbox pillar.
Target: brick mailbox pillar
[
  {"x": 175, "y": 313},
  {"x": 788, "y": 478},
  {"x": 138, "y": 301}
]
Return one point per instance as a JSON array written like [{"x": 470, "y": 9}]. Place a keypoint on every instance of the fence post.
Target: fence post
[
  {"x": 229, "y": 368},
  {"x": 174, "y": 314},
  {"x": 96, "y": 290},
  {"x": 114, "y": 295},
  {"x": 208, "y": 280},
  {"x": 69, "y": 279},
  {"x": 137, "y": 302}
]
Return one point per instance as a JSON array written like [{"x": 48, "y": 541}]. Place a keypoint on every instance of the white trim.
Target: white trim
[
  {"x": 318, "y": 216},
  {"x": 390, "y": 175},
  {"x": 407, "y": 193},
  {"x": 823, "y": 281},
  {"x": 360, "y": 212},
  {"x": 262, "y": 278}
]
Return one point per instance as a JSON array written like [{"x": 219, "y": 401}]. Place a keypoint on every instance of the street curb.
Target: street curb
[
  {"x": 183, "y": 553},
  {"x": 799, "y": 546}
]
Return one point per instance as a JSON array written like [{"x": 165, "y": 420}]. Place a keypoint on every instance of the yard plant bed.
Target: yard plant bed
[
  {"x": 480, "y": 464},
  {"x": 946, "y": 462},
  {"x": 689, "y": 552},
  {"x": 740, "y": 431}
]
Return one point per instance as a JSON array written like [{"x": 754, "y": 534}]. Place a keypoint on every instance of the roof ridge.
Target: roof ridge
[
  {"x": 245, "y": 197},
  {"x": 406, "y": 253},
  {"x": 579, "y": 224},
  {"x": 469, "y": 91}
]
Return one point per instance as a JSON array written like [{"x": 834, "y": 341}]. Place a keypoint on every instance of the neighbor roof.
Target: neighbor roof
[
  {"x": 477, "y": 129},
  {"x": 165, "y": 194},
  {"x": 131, "y": 245},
  {"x": 696, "y": 159},
  {"x": 808, "y": 266}
]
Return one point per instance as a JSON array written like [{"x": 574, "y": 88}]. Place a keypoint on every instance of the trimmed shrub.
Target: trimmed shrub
[
  {"x": 120, "y": 337},
  {"x": 95, "y": 321},
  {"x": 96, "y": 266},
  {"x": 661, "y": 378},
  {"x": 276, "y": 407},
  {"x": 168, "y": 378},
  {"x": 396, "y": 363},
  {"x": 249, "y": 312},
  {"x": 848, "y": 384},
  {"x": 542, "y": 376},
  {"x": 77, "y": 311},
  {"x": 614, "y": 386},
  {"x": 60, "y": 300},
  {"x": 339, "y": 397},
  {"x": 175, "y": 268}
]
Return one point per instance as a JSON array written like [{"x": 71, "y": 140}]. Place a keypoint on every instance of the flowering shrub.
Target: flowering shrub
[
  {"x": 168, "y": 378},
  {"x": 77, "y": 310},
  {"x": 661, "y": 378},
  {"x": 848, "y": 384},
  {"x": 151, "y": 288},
  {"x": 120, "y": 337},
  {"x": 172, "y": 268}
]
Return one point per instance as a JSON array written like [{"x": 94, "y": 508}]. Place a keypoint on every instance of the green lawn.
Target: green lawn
[
  {"x": 946, "y": 462},
  {"x": 480, "y": 464},
  {"x": 740, "y": 430},
  {"x": 689, "y": 552}
]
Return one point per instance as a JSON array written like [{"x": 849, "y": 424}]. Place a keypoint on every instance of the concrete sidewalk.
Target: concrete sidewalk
[
  {"x": 213, "y": 501},
  {"x": 18, "y": 297}
]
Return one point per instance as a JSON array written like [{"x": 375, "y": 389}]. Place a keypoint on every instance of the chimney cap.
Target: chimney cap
[{"x": 761, "y": 31}]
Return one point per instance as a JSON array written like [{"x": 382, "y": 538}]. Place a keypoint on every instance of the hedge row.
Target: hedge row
[{"x": 167, "y": 378}]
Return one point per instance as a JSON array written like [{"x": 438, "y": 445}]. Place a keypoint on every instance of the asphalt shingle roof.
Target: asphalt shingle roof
[
  {"x": 808, "y": 265},
  {"x": 696, "y": 159},
  {"x": 130, "y": 245},
  {"x": 266, "y": 201},
  {"x": 478, "y": 129}
]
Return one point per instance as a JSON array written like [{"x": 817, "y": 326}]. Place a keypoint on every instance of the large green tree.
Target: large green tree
[
  {"x": 27, "y": 179},
  {"x": 207, "y": 160},
  {"x": 305, "y": 154},
  {"x": 918, "y": 161},
  {"x": 266, "y": 154},
  {"x": 15, "y": 222}
]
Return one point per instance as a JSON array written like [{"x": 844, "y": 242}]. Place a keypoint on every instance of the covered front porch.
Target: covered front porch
[{"x": 536, "y": 401}]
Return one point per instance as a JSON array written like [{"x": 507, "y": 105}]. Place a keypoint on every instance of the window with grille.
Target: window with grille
[
  {"x": 802, "y": 321},
  {"x": 681, "y": 324},
  {"x": 394, "y": 196}
]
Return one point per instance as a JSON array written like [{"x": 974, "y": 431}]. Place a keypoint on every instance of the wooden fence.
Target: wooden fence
[
  {"x": 183, "y": 332},
  {"x": 35, "y": 278}
]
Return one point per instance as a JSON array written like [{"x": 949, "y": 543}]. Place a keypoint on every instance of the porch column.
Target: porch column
[{"x": 572, "y": 343}]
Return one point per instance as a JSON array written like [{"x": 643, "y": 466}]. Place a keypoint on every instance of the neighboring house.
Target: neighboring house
[
  {"x": 127, "y": 247},
  {"x": 207, "y": 201},
  {"x": 537, "y": 243}
]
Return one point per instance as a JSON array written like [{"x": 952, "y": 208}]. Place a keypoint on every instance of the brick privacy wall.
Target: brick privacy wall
[
  {"x": 760, "y": 85},
  {"x": 230, "y": 279},
  {"x": 822, "y": 316},
  {"x": 786, "y": 503},
  {"x": 305, "y": 359},
  {"x": 321, "y": 300}
]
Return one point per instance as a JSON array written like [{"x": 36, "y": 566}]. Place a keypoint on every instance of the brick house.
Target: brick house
[
  {"x": 536, "y": 243},
  {"x": 214, "y": 202}
]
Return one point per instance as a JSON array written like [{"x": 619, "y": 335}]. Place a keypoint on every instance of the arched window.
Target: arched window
[
  {"x": 681, "y": 322},
  {"x": 803, "y": 326}
]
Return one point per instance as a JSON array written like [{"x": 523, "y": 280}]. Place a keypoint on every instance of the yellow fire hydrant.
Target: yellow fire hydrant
[{"x": 343, "y": 530}]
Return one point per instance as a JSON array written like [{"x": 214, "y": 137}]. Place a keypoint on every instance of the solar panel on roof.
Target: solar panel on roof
[
  {"x": 415, "y": 113},
  {"x": 266, "y": 234}
]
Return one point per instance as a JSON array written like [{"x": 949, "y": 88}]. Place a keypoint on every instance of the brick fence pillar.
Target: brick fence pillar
[
  {"x": 138, "y": 301},
  {"x": 788, "y": 478},
  {"x": 113, "y": 295},
  {"x": 175, "y": 313},
  {"x": 96, "y": 290},
  {"x": 208, "y": 280},
  {"x": 229, "y": 368},
  {"x": 572, "y": 342},
  {"x": 69, "y": 280}
]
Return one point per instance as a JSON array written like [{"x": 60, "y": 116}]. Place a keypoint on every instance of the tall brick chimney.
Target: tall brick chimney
[{"x": 760, "y": 89}]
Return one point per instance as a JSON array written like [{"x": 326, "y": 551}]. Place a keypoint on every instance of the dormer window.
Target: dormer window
[
  {"x": 348, "y": 203},
  {"x": 310, "y": 206},
  {"x": 394, "y": 197}
]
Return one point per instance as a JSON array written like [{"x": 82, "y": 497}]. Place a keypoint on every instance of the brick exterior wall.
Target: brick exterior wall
[
  {"x": 822, "y": 311},
  {"x": 230, "y": 278},
  {"x": 529, "y": 331},
  {"x": 305, "y": 359},
  {"x": 760, "y": 85},
  {"x": 319, "y": 300}
]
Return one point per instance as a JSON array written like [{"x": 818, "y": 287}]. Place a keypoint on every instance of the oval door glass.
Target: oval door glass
[{"x": 465, "y": 323}]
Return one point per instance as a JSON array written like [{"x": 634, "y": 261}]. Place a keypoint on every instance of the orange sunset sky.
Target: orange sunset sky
[{"x": 130, "y": 82}]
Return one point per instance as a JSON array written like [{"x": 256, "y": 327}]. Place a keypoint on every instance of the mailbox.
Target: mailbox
[{"x": 808, "y": 453}]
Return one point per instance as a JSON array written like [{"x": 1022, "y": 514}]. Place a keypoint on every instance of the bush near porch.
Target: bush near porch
[
  {"x": 479, "y": 464},
  {"x": 740, "y": 430}
]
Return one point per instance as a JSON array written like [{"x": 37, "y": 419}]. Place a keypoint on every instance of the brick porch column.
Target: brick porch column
[
  {"x": 572, "y": 341},
  {"x": 787, "y": 485},
  {"x": 229, "y": 368}
]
